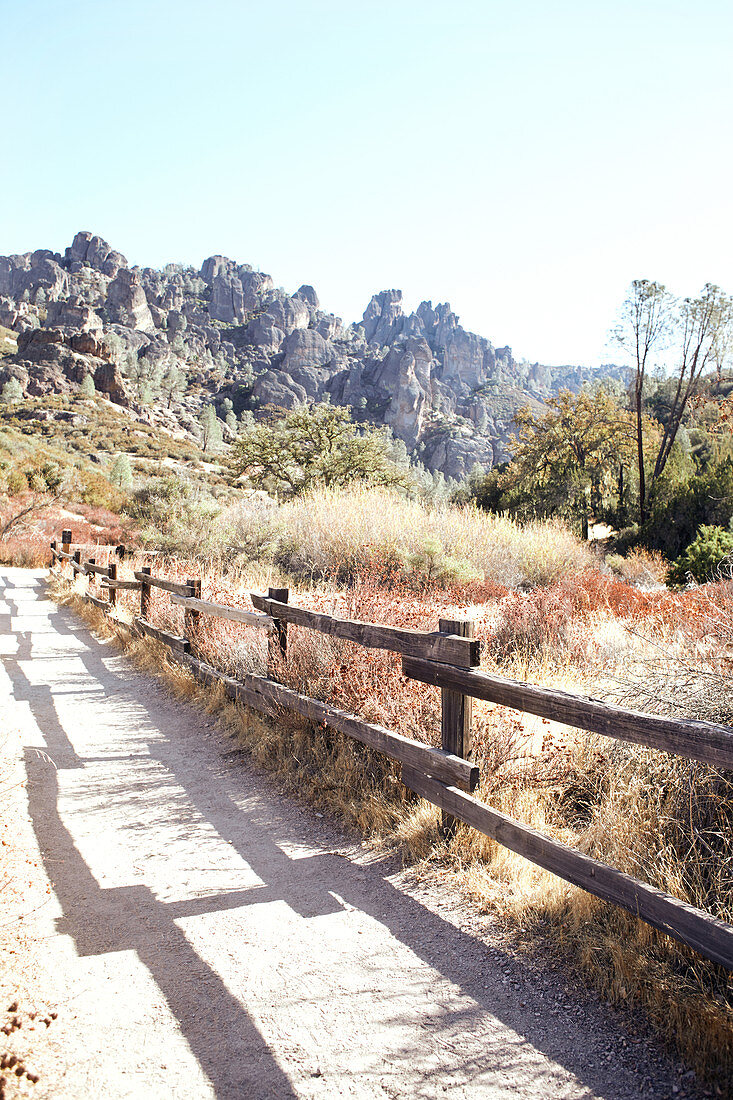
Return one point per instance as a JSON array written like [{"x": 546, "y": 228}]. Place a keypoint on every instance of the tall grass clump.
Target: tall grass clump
[{"x": 338, "y": 533}]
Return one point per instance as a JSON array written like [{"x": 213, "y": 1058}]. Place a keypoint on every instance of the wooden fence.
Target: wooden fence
[{"x": 447, "y": 658}]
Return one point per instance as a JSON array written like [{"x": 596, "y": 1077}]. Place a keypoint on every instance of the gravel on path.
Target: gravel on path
[{"x": 174, "y": 926}]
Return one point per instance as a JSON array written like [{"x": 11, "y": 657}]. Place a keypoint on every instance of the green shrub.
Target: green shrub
[
  {"x": 174, "y": 515},
  {"x": 703, "y": 557},
  {"x": 430, "y": 564}
]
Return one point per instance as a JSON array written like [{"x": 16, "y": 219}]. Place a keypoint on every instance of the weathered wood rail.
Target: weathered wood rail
[{"x": 448, "y": 659}]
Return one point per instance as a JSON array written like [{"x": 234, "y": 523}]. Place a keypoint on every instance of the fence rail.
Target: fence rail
[
  {"x": 704, "y": 741},
  {"x": 447, "y": 659},
  {"x": 222, "y": 611},
  {"x": 437, "y": 646}
]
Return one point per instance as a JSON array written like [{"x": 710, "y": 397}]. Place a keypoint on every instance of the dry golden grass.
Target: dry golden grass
[
  {"x": 341, "y": 532},
  {"x": 666, "y": 820}
]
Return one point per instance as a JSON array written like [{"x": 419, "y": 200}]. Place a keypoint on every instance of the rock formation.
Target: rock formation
[{"x": 449, "y": 394}]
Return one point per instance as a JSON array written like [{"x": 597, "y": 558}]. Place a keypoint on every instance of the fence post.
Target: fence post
[
  {"x": 145, "y": 594},
  {"x": 53, "y": 553},
  {"x": 66, "y": 541},
  {"x": 278, "y": 641},
  {"x": 77, "y": 559},
  {"x": 456, "y": 715},
  {"x": 191, "y": 618},
  {"x": 112, "y": 575}
]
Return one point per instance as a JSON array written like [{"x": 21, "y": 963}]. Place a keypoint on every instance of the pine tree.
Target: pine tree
[
  {"x": 121, "y": 472},
  {"x": 173, "y": 385},
  {"x": 211, "y": 432},
  {"x": 228, "y": 415},
  {"x": 87, "y": 388}
]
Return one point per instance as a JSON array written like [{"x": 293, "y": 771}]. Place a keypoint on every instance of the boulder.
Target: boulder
[
  {"x": 73, "y": 314},
  {"x": 11, "y": 274},
  {"x": 328, "y": 326},
  {"x": 456, "y": 456},
  {"x": 306, "y": 348},
  {"x": 255, "y": 285},
  {"x": 227, "y": 298},
  {"x": 173, "y": 294},
  {"x": 108, "y": 379},
  {"x": 274, "y": 388},
  {"x": 126, "y": 302},
  {"x": 213, "y": 338},
  {"x": 308, "y": 295},
  {"x": 287, "y": 314},
  {"x": 160, "y": 316},
  {"x": 45, "y": 279},
  {"x": 213, "y": 266},
  {"x": 33, "y": 344},
  {"x": 264, "y": 334}
]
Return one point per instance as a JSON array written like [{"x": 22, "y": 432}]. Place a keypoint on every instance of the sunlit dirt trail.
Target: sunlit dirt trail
[{"x": 206, "y": 936}]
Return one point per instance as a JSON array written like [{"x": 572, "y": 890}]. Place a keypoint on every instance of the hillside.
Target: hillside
[{"x": 165, "y": 343}]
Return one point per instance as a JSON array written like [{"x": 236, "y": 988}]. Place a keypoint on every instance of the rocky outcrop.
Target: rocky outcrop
[
  {"x": 235, "y": 291},
  {"x": 227, "y": 298},
  {"x": 11, "y": 274},
  {"x": 35, "y": 277},
  {"x": 306, "y": 348},
  {"x": 308, "y": 295},
  {"x": 126, "y": 302},
  {"x": 271, "y": 389},
  {"x": 108, "y": 380},
  {"x": 86, "y": 248},
  {"x": 264, "y": 334},
  {"x": 383, "y": 318},
  {"x": 288, "y": 314},
  {"x": 18, "y": 316},
  {"x": 73, "y": 314},
  {"x": 405, "y": 377},
  {"x": 48, "y": 362},
  {"x": 448, "y": 393}
]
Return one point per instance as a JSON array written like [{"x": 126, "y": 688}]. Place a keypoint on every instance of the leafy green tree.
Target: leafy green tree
[
  {"x": 28, "y": 488},
  {"x": 121, "y": 472},
  {"x": 570, "y": 460},
  {"x": 688, "y": 502},
  {"x": 311, "y": 445}
]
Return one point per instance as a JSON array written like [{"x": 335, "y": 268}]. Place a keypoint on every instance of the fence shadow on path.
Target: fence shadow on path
[{"x": 221, "y": 1034}]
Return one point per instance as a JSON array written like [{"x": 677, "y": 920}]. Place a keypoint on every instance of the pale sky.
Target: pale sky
[{"x": 524, "y": 161}]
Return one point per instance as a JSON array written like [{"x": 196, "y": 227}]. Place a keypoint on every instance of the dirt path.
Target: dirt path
[{"x": 198, "y": 934}]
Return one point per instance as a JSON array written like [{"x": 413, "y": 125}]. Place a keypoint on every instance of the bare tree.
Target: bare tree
[
  {"x": 643, "y": 330},
  {"x": 702, "y": 337}
]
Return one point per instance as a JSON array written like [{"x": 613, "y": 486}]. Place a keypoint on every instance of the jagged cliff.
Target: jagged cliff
[{"x": 229, "y": 335}]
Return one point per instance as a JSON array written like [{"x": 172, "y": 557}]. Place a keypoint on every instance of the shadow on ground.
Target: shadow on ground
[{"x": 102, "y": 920}]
